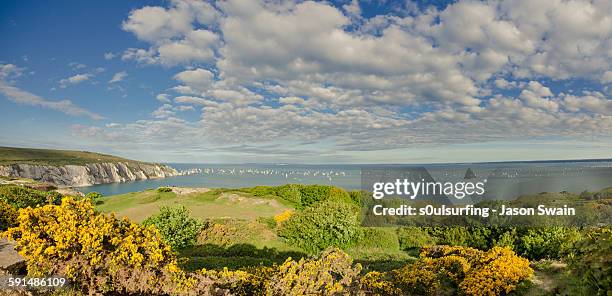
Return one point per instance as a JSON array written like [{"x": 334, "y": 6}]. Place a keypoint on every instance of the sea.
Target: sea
[{"x": 525, "y": 177}]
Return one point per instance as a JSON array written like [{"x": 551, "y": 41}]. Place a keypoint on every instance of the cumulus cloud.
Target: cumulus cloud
[
  {"x": 172, "y": 33},
  {"x": 310, "y": 71}
]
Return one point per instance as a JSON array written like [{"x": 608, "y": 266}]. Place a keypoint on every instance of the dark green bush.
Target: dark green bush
[
  {"x": 592, "y": 262},
  {"x": 506, "y": 238},
  {"x": 164, "y": 189},
  {"x": 328, "y": 223},
  {"x": 176, "y": 226},
  {"x": 311, "y": 194},
  {"x": 94, "y": 196},
  {"x": 302, "y": 196}
]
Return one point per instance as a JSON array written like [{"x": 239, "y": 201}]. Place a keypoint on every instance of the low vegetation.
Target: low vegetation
[
  {"x": 176, "y": 226},
  {"x": 329, "y": 223},
  {"x": 306, "y": 240}
]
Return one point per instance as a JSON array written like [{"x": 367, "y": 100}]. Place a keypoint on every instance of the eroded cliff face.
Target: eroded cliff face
[{"x": 89, "y": 174}]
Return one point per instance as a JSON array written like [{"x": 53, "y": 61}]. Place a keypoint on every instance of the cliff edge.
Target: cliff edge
[{"x": 76, "y": 168}]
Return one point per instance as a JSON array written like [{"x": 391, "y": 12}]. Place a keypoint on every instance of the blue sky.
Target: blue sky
[{"x": 309, "y": 82}]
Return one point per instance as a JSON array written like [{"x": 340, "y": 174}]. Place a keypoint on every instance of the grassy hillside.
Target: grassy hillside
[
  {"x": 213, "y": 204},
  {"x": 10, "y": 155}
]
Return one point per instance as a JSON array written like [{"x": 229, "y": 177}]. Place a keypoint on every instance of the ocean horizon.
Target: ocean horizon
[{"x": 531, "y": 176}]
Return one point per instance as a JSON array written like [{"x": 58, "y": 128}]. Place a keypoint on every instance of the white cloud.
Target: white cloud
[
  {"x": 9, "y": 71},
  {"x": 291, "y": 100},
  {"x": 23, "y": 97},
  {"x": 165, "y": 111},
  {"x": 164, "y": 98},
  {"x": 594, "y": 102},
  {"x": 109, "y": 56},
  {"x": 75, "y": 79},
  {"x": 309, "y": 71},
  {"x": 194, "y": 101},
  {"x": 171, "y": 31},
  {"x": 119, "y": 76},
  {"x": 198, "y": 79}
]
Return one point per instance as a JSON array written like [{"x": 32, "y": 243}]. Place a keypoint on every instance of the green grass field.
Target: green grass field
[
  {"x": 213, "y": 204},
  {"x": 241, "y": 237},
  {"x": 10, "y": 155}
]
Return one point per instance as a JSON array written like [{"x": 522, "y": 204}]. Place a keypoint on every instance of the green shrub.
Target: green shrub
[
  {"x": 413, "y": 238},
  {"x": 94, "y": 196},
  {"x": 23, "y": 197},
  {"x": 311, "y": 194},
  {"x": 506, "y": 238},
  {"x": 328, "y": 223},
  {"x": 290, "y": 193},
  {"x": 547, "y": 242},
  {"x": 592, "y": 264},
  {"x": 378, "y": 237},
  {"x": 302, "y": 196},
  {"x": 164, "y": 189},
  {"x": 176, "y": 226}
]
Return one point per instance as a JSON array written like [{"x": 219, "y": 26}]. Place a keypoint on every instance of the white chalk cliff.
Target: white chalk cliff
[{"x": 89, "y": 174}]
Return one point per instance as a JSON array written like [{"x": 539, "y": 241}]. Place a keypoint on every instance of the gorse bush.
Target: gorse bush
[
  {"x": 99, "y": 254},
  {"x": 176, "y": 226},
  {"x": 333, "y": 273},
  {"x": 444, "y": 270},
  {"x": 326, "y": 224},
  {"x": 282, "y": 217}
]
